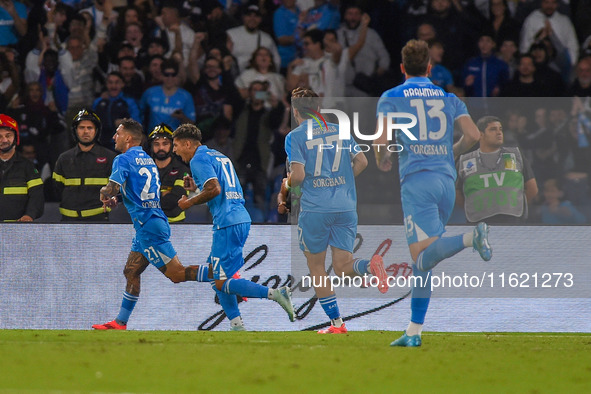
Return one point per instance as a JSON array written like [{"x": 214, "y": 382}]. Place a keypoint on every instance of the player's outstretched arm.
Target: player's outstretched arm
[
  {"x": 470, "y": 136},
  {"x": 297, "y": 174},
  {"x": 210, "y": 190}
]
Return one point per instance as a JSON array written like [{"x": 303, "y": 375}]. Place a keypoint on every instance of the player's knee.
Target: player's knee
[
  {"x": 129, "y": 272},
  {"x": 219, "y": 284}
]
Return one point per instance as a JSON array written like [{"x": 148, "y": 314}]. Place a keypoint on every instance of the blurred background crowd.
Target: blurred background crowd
[{"x": 228, "y": 66}]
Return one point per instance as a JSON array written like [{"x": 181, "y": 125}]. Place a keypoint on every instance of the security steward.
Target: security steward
[
  {"x": 171, "y": 170},
  {"x": 81, "y": 171},
  {"x": 21, "y": 187}
]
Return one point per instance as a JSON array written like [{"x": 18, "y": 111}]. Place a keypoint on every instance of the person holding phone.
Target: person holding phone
[{"x": 13, "y": 22}]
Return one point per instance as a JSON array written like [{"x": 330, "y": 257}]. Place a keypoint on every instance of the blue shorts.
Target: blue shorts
[
  {"x": 428, "y": 200},
  {"x": 318, "y": 230},
  {"x": 226, "y": 250},
  {"x": 153, "y": 241}
]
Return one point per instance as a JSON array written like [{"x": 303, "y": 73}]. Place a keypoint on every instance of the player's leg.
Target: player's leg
[
  {"x": 226, "y": 259},
  {"x": 135, "y": 265},
  {"x": 342, "y": 241}
]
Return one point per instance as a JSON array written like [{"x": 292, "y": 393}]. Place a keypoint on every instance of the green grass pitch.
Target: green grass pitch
[{"x": 298, "y": 362}]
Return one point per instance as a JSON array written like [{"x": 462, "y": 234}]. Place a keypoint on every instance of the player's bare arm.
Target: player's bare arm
[
  {"x": 282, "y": 198},
  {"x": 359, "y": 163},
  {"x": 210, "y": 190},
  {"x": 108, "y": 194},
  {"x": 383, "y": 156},
  {"x": 470, "y": 136},
  {"x": 297, "y": 175}
]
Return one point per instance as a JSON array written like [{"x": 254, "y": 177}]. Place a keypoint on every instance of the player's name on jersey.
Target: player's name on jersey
[
  {"x": 143, "y": 161},
  {"x": 321, "y": 129},
  {"x": 329, "y": 182},
  {"x": 430, "y": 150},
  {"x": 151, "y": 204},
  {"x": 233, "y": 196},
  {"x": 423, "y": 92}
]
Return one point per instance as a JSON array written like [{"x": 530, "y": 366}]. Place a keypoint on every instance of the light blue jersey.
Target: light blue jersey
[
  {"x": 138, "y": 176},
  {"x": 161, "y": 107},
  {"x": 329, "y": 184},
  {"x": 436, "y": 112},
  {"x": 227, "y": 208}
]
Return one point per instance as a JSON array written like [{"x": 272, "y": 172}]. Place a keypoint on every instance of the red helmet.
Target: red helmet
[{"x": 9, "y": 123}]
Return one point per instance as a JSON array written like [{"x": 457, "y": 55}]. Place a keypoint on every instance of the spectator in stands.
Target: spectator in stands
[
  {"x": 324, "y": 15},
  {"x": 57, "y": 17},
  {"x": 76, "y": 66},
  {"x": 285, "y": 28},
  {"x": 133, "y": 80},
  {"x": 461, "y": 29},
  {"x": 212, "y": 98},
  {"x": 248, "y": 37},
  {"x": 262, "y": 68},
  {"x": 53, "y": 82},
  {"x": 167, "y": 103},
  {"x": 547, "y": 18},
  {"x": 21, "y": 196},
  {"x": 252, "y": 142},
  {"x": 502, "y": 23},
  {"x": 373, "y": 58},
  {"x": 485, "y": 75},
  {"x": 550, "y": 79},
  {"x": 171, "y": 171},
  {"x": 426, "y": 32},
  {"x": 153, "y": 72},
  {"x": 440, "y": 75},
  {"x": 581, "y": 86},
  {"x": 9, "y": 77},
  {"x": 81, "y": 171},
  {"x": 309, "y": 71},
  {"x": 170, "y": 25},
  {"x": 13, "y": 21},
  {"x": 112, "y": 107},
  {"x": 221, "y": 141},
  {"x": 557, "y": 210},
  {"x": 508, "y": 53},
  {"x": 39, "y": 123},
  {"x": 524, "y": 84}
]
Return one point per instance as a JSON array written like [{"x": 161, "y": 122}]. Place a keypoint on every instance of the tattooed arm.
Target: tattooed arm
[
  {"x": 108, "y": 195},
  {"x": 211, "y": 189}
]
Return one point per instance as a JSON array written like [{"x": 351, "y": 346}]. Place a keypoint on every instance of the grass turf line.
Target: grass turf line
[{"x": 170, "y": 361}]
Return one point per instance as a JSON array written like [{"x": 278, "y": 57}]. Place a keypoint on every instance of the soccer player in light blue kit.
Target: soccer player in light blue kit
[
  {"x": 325, "y": 167},
  {"x": 136, "y": 175},
  {"x": 427, "y": 173},
  {"x": 215, "y": 178}
]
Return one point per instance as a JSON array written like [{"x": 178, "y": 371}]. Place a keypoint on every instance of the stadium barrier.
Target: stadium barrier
[{"x": 69, "y": 276}]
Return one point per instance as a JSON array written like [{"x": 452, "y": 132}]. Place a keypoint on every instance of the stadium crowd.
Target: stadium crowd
[{"x": 228, "y": 67}]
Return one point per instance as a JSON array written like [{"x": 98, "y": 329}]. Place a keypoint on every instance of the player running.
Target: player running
[
  {"x": 427, "y": 174},
  {"x": 215, "y": 178},
  {"x": 136, "y": 175},
  {"x": 326, "y": 167}
]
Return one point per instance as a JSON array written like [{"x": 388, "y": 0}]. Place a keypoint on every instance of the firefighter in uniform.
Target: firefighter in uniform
[
  {"x": 171, "y": 170},
  {"x": 81, "y": 171},
  {"x": 21, "y": 187}
]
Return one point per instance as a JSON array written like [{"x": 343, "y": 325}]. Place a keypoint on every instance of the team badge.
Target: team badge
[{"x": 469, "y": 167}]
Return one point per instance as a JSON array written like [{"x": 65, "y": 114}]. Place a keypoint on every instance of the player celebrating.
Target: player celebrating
[
  {"x": 427, "y": 174},
  {"x": 328, "y": 213},
  {"x": 136, "y": 175},
  {"x": 214, "y": 175}
]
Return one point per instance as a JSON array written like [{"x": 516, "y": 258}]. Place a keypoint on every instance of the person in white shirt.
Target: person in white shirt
[
  {"x": 554, "y": 23},
  {"x": 310, "y": 71},
  {"x": 247, "y": 38},
  {"x": 170, "y": 21},
  {"x": 263, "y": 69}
]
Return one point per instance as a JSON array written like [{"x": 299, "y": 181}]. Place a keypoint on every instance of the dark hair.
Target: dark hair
[
  {"x": 485, "y": 121},
  {"x": 169, "y": 63},
  {"x": 221, "y": 123},
  {"x": 252, "y": 62},
  {"x": 134, "y": 128},
  {"x": 187, "y": 131},
  {"x": 123, "y": 58},
  {"x": 415, "y": 57},
  {"x": 316, "y": 35},
  {"x": 117, "y": 74}
]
